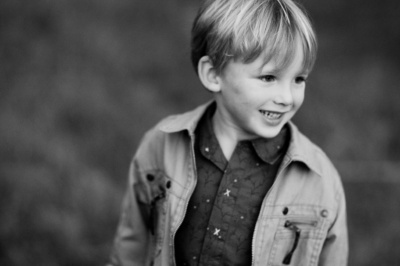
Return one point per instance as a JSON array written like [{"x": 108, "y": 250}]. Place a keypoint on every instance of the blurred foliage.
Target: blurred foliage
[{"x": 82, "y": 80}]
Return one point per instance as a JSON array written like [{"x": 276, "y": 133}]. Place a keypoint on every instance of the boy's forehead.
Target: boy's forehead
[{"x": 281, "y": 59}]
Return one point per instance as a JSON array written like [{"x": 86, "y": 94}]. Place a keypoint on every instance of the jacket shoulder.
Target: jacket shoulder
[
  {"x": 155, "y": 136},
  {"x": 173, "y": 127}
]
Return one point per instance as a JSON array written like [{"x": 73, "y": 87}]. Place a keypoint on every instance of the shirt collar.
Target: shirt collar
[
  {"x": 270, "y": 150},
  {"x": 300, "y": 149}
]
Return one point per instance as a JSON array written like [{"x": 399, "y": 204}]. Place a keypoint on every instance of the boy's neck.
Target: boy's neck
[{"x": 227, "y": 137}]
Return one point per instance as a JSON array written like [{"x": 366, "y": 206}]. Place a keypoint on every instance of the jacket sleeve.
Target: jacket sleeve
[
  {"x": 336, "y": 246},
  {"x": 131, "y": 243}
]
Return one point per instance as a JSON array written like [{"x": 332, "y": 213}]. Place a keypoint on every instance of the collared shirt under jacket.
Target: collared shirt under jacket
[
  {"x": 302, "y": 221},
  {"x": 224, "y": 207}
]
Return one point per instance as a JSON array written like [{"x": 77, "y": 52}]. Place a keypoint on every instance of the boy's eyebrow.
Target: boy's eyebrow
[
  {"x": 264, "y": 63},
  {"x": 278, "y": 70},
  {"x": 305, "y": 72},
  {"x": 273, "y": 70}
]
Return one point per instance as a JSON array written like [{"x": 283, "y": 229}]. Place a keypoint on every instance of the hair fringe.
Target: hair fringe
[{"x": 244, "y": 29}]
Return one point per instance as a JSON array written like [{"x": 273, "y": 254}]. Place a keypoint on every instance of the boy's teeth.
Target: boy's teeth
[{"x": 271, "y": 115}]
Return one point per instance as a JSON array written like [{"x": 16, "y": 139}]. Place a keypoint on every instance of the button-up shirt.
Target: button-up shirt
[{"x": 223, "y": 210}]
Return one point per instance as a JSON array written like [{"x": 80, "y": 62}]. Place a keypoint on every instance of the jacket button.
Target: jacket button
[
  {"x": 150, "y": 177},
  {"x": 324, "y": 213},
  {"x": 285, "y": 210},
  {"x": 168, "y": 184}
]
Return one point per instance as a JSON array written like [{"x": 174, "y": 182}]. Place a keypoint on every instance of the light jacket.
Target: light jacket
[{"x": 303, "y": 214}]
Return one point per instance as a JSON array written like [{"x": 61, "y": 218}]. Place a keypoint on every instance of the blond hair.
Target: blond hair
[{"x": 244, "y": 29}]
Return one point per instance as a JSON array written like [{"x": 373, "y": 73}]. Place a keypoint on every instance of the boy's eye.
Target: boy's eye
[
  {"x": 268, "y": 78},
  {"x": 300, "y": 80}
]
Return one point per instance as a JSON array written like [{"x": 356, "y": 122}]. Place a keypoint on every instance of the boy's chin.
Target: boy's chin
[{"x": 270, "y": 133}]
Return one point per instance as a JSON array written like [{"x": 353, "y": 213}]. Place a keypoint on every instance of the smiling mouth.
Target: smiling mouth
[{"x": 271, "y": 115}]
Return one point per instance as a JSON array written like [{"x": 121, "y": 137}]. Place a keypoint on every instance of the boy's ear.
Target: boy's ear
[{"x": 208, "y": 75}]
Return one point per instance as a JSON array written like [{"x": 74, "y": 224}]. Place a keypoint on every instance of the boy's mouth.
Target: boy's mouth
[{"x": 271, "y": 115}]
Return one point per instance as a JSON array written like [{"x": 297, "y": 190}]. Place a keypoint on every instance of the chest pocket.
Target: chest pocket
[
  {"x": 299, "y": 237},
  {"x": 154, "y": 191}
]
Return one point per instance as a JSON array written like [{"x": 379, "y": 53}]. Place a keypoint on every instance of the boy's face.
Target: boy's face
[{"x": 257, "y": 99}]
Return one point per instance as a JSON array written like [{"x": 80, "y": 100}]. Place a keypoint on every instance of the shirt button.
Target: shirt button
[
  {"x": 324, "y": 213},
  {"x": 285, "y": 210},
  {"x": 207, "y": 149},
  {"x": 150, "y": 177}
]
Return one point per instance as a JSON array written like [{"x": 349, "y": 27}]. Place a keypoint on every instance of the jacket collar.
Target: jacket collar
[
  {"x": 186, "y": 121},
  {"x": 301, "y": 149}
]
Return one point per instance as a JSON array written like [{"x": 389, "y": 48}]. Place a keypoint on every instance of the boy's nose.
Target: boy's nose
[{"x": 284, "y": 95}]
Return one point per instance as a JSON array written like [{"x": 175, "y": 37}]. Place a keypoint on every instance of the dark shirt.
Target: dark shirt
[{"x": 223, "y": 210}]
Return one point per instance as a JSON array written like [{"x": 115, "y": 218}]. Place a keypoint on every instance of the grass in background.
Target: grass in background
[{"x": 80, "y": 82}]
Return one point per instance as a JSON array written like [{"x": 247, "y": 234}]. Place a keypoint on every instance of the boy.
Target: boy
[{"x": 234, "y": 182}]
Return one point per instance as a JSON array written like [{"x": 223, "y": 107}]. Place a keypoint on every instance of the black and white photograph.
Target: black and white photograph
[{"x": 199, "y": 133}]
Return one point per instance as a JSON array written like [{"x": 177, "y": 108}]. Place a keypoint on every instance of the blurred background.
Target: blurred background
[{"x": 82, "y": 80}]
